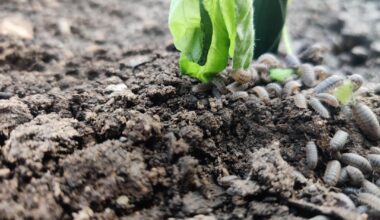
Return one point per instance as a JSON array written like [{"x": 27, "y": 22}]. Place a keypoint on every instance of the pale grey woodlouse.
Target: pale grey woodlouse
[
  {"x": 357, "y": 161},
  {"x": 343, "y": 177},
  {"x": 328, "y": 99},
  {"x": 241, "y": 76},
  {"x": 321, "y": 72},
  {"x": 307, "y": 75},
  {"x": 339, "y": 140},
  {"x": 374, "y": 159},
  {"x": 292, "y": 61},
  {"x": 291, "y": 87},
  {"x": 300, "y": 100},
  {"x": 261, "y": 92},
  {"x": 319, "y": 107},
  {"x": 332, "y": 173},
  {"x": 328, "y": 84},
  {"x": 370, "y": 200},
  {"x": 366, "y": 120},
  {"x": 355, "y": 175},
  {"x": 269, "y": 59},
  {"x": 239, "y": 95},
  {"x": 311, "y": 155},
  {"x": 375, "y": 150},
  {"x": 357, "y": 80},
  {"x": 274, "y": 89},
  {"x": 371, "y": 188}
]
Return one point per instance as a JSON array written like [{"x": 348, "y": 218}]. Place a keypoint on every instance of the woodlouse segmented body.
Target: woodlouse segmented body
[
  {"x": 239, "y": 95},
  {"x": 328, "y": 99},
  {"x": 261, "y": 92},
  {"x": 291, "y": 87},
  {"x": 236, "y": 86},
  {"x": 332, "y": 173},
  {"x": 218, "y": 82},
  {"x": 343, "y": 176},
  {"x": 345, "y": 200},
  {"x": 375, "y": 150},
  {"x": 202, "y": 87},
  {"x": 339, "y": 140},
  {"x": 241, "y": 76},
  {"x": 356, "y": 176},
  {"x": 307, "y": 75},
  {"x": 274, "y": 89},
  {"x": 260, "y": 67},
  {"x": 329, "y": 84},
  {"x": 311, "y": 155},
  {"x": 371, "y": 188},
  {"x": 357, "y": 80},
  {"x": 300, "y": 100},
  {"x": 374, "y": 159},
  {"x": 370, "y": 200},
  {"x": 292, "y": 61},
  {"x": 319, "y": 107},
  {"x": 269, "y": 59},
  {"x": 366, "y": 120},
  {"x": 356, "y": 161},
  {"x": 321, "y": 72}
]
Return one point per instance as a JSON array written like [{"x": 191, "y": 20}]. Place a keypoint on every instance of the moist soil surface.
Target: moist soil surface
[{"x": 97, "y": 122}]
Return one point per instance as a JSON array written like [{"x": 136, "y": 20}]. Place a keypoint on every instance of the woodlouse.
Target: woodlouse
[
  {"x": 339, "y": 140},
  {"x": 202, "y": 87},
  {"x": 356, "y": 161},
  {"x": 274, "y": 89},
  {"x": 343, "y": 176},
  {"x": 260, "y": 67},
  {"x": 261, "y": 92},
  {"x": 374, "y": 159},
  {"x": 307, "y": 75},
  {"x": 311, "y": 155},
  {"x": 239, "y": 95},
  {"x": 329, "y": 84},
  {"x": 357, "y": 80},
  {"x": 291, "y": 87},
  {"x": 300, "y": 100},
  {"x": 218, "y": 82},
  {"x": 343, "y": 198},
  {"x": 269, "y": 59},
  {"x": 241, "y": 76},
  {"x": 366, "y": 120},
  {"x": 375, "y": 150},
  {"x": 319, "y": 107},
  {"x": 321, "y": 72},
  {"x": 328, "y": 99},
  {"x": 371, "y": 188},
  {"x": 370, "y": 200},
  {"x": 292, "y": 61},
  {"x": 356, "y": 176},
  {"x": 332, "y": 173},
  {"x": 236, "y": 86}
]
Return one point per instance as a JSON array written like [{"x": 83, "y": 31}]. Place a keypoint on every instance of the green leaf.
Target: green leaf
[
  {"x": 269, "y": 20},
  {"x": 244, "y": 35},
  {"x": 207, "y": 32},
  {"x": 281, "y": 74},
  {"x": 345, "y": 92}
]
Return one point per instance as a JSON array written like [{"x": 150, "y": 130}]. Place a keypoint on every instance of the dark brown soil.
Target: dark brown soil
[{"x": 102, "y": 125}]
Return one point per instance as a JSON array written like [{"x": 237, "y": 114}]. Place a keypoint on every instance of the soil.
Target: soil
[{"x": 97, "y": 122}]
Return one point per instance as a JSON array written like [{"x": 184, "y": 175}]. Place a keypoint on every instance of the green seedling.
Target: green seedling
[
  {"x": 344, "y": 93},
  {"x": 281, "y": 74},
  {"x": 209, "y": 32}
]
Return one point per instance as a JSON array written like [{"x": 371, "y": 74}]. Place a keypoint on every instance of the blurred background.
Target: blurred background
[{"x": 349, "y": 29}]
